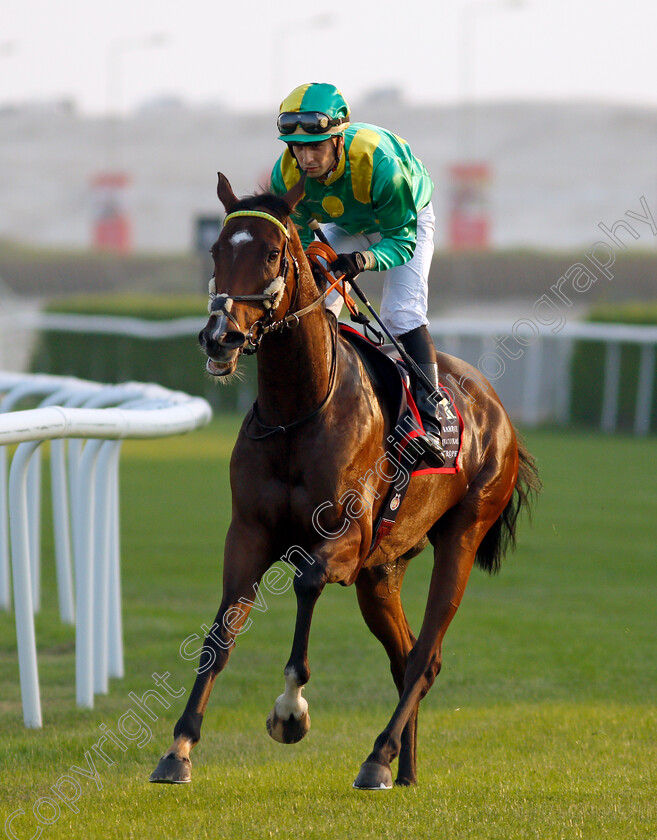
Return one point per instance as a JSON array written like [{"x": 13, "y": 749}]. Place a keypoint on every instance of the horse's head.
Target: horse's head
[{"x": 253, "y": 274}]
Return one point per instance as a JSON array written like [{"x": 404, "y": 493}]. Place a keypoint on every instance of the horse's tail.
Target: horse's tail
[{"x": 502, "y": 534}]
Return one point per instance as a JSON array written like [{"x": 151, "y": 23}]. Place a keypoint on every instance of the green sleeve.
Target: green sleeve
[
  {"x": 394, "y": 207},
  {"x": 301, "y": 215},
  {"x": 277, "y": 183}
]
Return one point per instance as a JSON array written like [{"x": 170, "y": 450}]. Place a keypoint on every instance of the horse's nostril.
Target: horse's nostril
[
  {"x": 213, "y": 344},
  {"x": 207, "y": 342},
  {"x": 232, "y": 340}
]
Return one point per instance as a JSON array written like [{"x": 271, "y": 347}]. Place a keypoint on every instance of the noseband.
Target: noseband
[{"x": 270, "y": 298}]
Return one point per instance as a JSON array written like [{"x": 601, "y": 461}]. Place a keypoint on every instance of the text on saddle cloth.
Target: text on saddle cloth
[{"x": 392, "y": 377}]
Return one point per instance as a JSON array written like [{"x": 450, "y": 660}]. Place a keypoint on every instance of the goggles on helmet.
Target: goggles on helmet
[{"x": 311, "y": 122}]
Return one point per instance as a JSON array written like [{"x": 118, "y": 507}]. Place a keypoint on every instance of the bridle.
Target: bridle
[{"x": 270, "y": 298}]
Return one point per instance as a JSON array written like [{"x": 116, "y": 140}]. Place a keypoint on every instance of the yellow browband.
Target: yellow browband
[{"x": 260, "y": 214}]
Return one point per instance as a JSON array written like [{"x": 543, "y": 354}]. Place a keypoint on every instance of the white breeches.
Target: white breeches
[{"x": 405, "y": 287}]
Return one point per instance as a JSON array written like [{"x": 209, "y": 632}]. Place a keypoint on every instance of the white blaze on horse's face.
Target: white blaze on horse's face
[{"x": 240, "y": 238}]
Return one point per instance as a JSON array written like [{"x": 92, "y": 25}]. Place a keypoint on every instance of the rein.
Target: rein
[
  {"x": 272, "y": 430},
  {"x": 319, "y": 253},
  {"x": 270, "y": 300}
]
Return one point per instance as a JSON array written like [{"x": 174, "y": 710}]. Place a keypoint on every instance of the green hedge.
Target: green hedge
[
  {"x": 151, "y": 307},
  {"x": 176, "y": 363},
  {"x": 588, "y": 363}
]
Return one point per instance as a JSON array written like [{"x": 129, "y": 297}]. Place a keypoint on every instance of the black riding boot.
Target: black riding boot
[{"x": 419, "y": 346}]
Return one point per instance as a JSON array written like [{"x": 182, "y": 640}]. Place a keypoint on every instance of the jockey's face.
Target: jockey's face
[{"x": 316, "y": 159}]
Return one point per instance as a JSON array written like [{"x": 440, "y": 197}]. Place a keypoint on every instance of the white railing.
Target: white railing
[
  {"x": 535, "y": 386},
  {"x": 535, "y": 383},
  {"x": 118, "y": 325},
  {"x": 86, "y": 478}
]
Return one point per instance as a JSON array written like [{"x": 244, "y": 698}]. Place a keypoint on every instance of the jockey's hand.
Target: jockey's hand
[
  {"x": 350, "y": 265},
  {"x": 319, "y": 276}
]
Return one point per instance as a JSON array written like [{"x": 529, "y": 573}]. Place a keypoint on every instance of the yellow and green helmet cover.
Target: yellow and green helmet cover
[{"x": 314, "y": 100}]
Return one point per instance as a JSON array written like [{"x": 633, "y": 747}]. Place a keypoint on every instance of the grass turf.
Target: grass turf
[{"x": 541, "y": 725}]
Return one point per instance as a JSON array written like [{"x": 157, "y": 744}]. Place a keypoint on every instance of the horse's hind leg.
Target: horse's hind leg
[
  {"x": 379, "y": 600},
  {"x": 456, "y": 545}
]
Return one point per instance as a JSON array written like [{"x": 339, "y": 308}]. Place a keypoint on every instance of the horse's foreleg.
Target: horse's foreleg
[
  {"x": 453, "y": 559},
  {"x": 242, "y": 572},
  {"x": 289, "y": 720},
  {"x": 175, "y": 764},
  {"x": 380, "y": 603}
]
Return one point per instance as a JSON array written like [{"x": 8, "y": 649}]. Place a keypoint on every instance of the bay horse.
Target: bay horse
[{"x": 318, "y": 426}]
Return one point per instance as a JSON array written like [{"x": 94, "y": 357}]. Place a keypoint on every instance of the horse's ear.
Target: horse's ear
[
  {"x": 293, "y": 197},
  {"x": 225, "y": 192}
]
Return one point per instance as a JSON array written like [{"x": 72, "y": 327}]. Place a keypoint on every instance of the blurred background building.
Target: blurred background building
[
  {"x": 537, "y": 120},
  {"x": 531, "y": 175}
]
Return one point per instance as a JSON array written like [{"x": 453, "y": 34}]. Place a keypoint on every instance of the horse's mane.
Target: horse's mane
[{"x": 267, "y": 201}]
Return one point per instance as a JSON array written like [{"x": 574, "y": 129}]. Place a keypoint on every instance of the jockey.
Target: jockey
[{"x": 373, "y": 199}]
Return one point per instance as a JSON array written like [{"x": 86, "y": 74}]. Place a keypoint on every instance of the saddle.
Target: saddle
[{"x": 390, "y": 377}]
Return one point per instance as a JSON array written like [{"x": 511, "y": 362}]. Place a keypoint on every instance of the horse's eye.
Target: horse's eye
[{"x": 273, "y": 255}]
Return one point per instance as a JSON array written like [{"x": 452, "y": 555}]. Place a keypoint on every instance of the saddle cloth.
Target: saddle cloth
[{"x": 391, "y": 377}]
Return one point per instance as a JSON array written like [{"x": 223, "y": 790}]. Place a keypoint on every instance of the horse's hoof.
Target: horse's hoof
[
  {"x": 287, "y": 730},
  {"x": 172, "y": 771},
  {"x": 373, "y": 776},
  {"x": 404, "y": 782}
]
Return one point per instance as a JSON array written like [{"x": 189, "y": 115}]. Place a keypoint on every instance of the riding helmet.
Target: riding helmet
[{"x": 312, "y": 113}]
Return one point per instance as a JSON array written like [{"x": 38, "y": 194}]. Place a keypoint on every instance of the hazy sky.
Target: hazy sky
[{"x": 250, "y": 53}]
